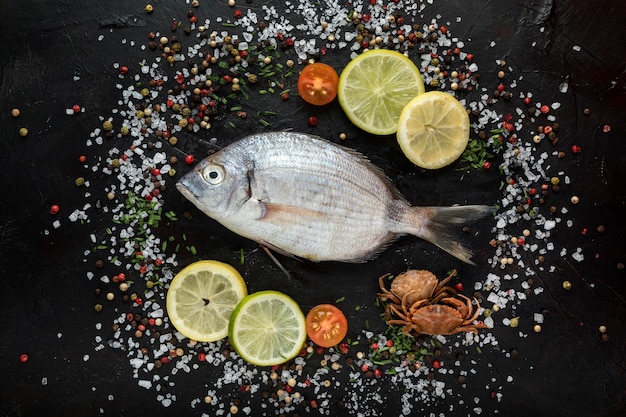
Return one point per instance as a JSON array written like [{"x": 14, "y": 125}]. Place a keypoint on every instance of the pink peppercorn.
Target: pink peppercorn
[
  {"x": 23, "y": 358},
  {"x": 544, "y": 109},
  {"x": 313, "y": 121},
  {"x": 189, "y": 159},
  {"x": 54, "y": 209}
]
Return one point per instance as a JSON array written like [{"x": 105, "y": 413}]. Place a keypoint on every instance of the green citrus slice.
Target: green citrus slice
[
  {"x": 201, "y": 298},
  {"x": 433, "y": 130},
  {"x": 374, "y": 88},
  {"x": 267, "y": 328}
]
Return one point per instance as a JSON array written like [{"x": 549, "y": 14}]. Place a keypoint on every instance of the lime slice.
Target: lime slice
[
  {"x": 267, "y": 328},
  {"x": 202, "y": 297},
  {"x": 433, "y": 130},
  {"x": 374, "y": 88}
]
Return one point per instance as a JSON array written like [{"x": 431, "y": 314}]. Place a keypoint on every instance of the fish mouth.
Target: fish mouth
[{"x": 184, "y": 187}]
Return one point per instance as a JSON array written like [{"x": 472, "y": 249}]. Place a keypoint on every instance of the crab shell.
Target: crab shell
[
  {"x": 439, "y": 319},
  {"x": 420, "y": 285}
]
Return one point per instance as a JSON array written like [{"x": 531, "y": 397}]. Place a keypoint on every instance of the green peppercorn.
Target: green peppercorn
[
  {"x": 80, "y": 181},
  {"x": 107, "y": 125},
  {"x": 115, "y": 163},
  {"x": 252, "y": 78},
  {"x": 434, "y": 62},
  {"x": 171, "y": 172},
  {"x": 23, "y": 132},
  {"x": 98, "y": 307},
  {"x": 124, "y": 130},
  {"x": 173, "y": 140}
]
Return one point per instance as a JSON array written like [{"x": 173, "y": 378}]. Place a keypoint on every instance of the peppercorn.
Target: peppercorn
[
  {"x": 15, "y": 112},
  {"x": 23, "y": 132},
  {"x": 79, "y": 182},
  {"x": 98, "y": 307}
]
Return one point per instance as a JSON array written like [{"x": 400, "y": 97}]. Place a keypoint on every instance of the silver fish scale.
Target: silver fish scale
[{"x": 331, "y": 203}]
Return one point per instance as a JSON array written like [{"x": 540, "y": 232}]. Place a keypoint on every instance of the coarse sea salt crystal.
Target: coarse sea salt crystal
[
  {"x": 578, "y": 256},
  {"x": 549, "y": 224},
  {"x": 144, "y": 383}
]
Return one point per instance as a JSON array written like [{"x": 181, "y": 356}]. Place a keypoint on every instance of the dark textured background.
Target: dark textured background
[{"x": 565, "y": 370}]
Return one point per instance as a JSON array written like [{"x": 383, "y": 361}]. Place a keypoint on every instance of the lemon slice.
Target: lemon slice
[
  {"x": 374, "y": 88},
  {"x": 267, "y": 328},
  {"x": 433, "y": 130},
  {"x": 202, "y": 297}
]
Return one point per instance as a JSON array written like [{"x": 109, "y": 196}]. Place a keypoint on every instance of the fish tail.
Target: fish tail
[{"x": 436, "y": 225}]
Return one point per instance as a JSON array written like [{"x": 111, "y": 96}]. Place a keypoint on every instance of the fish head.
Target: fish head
[{"x": 217, "y": 185}]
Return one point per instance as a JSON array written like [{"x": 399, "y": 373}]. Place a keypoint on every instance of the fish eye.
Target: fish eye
[{"x": 213, "y": 174}]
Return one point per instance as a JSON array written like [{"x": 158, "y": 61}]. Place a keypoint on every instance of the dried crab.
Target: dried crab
[{"x": 426, "y": 306}]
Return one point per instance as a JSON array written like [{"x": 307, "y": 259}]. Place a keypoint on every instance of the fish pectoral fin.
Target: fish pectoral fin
[{"x": 283, "y": 213}]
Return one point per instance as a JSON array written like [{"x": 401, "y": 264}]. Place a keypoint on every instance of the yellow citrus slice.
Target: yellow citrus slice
[
  {"x": 433, "y": 130},
  {"x": 202, "y": 297},
  {"x": 374, "y": 88},
  {"x": 267, "y": 328}
]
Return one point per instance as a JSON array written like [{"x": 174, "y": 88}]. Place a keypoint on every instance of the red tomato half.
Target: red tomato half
[
  {"x": 326, "y": 325},
  {"x": 317, "y": 84}
]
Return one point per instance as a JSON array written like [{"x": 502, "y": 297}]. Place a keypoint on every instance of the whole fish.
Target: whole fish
[{"x": 301, "y": 195}]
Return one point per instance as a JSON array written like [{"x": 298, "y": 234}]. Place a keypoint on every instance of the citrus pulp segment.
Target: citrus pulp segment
[
  {"x": 433, "y": 130},
  {"x": 374, "y": 88},
  {"x": 267, "y": 328},
  {"x": 201, "y": 298}
]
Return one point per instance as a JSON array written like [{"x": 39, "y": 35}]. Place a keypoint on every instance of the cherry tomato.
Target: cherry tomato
[
  {"x": 317, "y": 83},
  {"x": 326, "y": 325}
]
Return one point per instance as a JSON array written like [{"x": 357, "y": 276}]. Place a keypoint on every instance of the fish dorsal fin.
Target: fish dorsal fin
[{"x": 364, "y": 160}]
